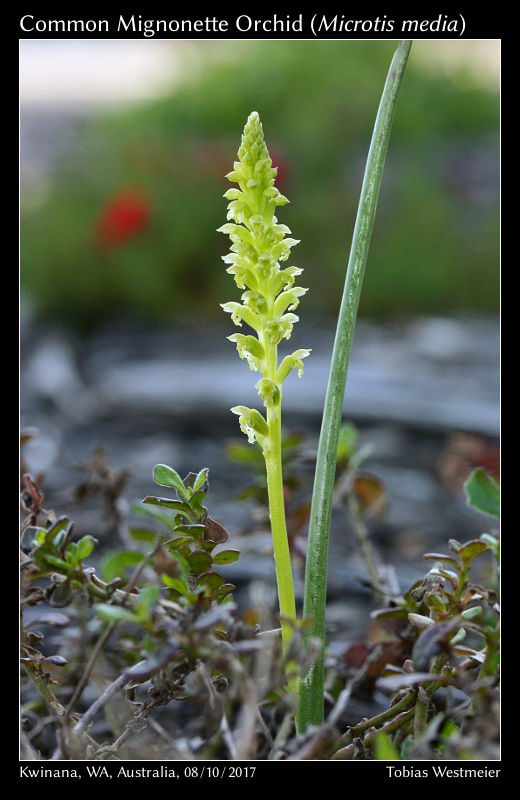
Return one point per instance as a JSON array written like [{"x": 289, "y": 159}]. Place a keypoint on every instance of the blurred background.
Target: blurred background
[{"x": 124, "y": 148}]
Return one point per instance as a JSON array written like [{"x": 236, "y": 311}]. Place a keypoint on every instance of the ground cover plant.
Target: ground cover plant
[
  {"x": 107, "y": 651},
  {"x": 158, "y": 616}
]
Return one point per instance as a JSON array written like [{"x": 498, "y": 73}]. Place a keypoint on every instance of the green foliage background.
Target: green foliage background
[{"x": 435, "y": 245}]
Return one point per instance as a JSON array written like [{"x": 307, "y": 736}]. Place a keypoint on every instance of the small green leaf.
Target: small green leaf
[
  {"x": 114, "y": 613},
  {"x": 167, "y": 476},
  {"x": 47, "y": 560},
  {"x": 201, "y": 478},
  {"x": 242, "y": 454},
  {"x": 153, "y": 511},
  {"x": 147, "y": 599},
  {"x": 175, "y": 583},
  {"x": 493, "y": 543},
  {"x": 226, "y": 557},
  {"x": 211, "y": 580},
  {"x": 223, "y": 592},
  {"x": 475, "y": 612},
  {"x": 61, "y": 524},
  {"x": 442, "y": 557},
  {"x": 448, "y": 729},
  {"x": 70, "y": 553},
  {"x": 483, "y": 492},
  {"x": 174, "y": 544},
  {"x": 195, "y": 531},
  {"x": 143, "y": 535},
  {"x": 346, "y": 442},
  {"x": 199, "y": 561},
  {"x": 166, "y": 502},
  {"x": 183, "y": 564},
  {"x": 114, "y": 565},
  {"x": 389, "y": 613},
  {"x": 435, "y": 603},
  {"x": 85, "y": 547},
  {"x": 384, "y": 750},
  {"x": 472, "y": 549}
]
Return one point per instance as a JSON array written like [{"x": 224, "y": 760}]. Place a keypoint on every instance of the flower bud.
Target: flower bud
[
  {"x": 252, "y": 423},
  {"x": 250, "y": 348},
  {"x": 269, "y": 391},
  {"x": 294, "y": 361}
]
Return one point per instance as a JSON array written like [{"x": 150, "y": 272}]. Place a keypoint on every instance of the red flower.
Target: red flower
[{"x": 124, "y": 215}]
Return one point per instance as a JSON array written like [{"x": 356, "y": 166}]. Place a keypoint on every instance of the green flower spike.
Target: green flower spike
[{"x": 258, "y": 245}]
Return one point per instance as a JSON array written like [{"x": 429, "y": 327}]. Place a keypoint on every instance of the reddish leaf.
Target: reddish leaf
[{"x": 215, "y": 532}]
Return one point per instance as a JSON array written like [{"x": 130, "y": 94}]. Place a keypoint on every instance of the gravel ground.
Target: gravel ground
[{"x": 424, "y": 395}]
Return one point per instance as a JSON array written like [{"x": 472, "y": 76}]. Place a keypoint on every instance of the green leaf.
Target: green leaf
[
  {"x": 483, "y": 492},
  {"x": 61, "y": 524},
  {"x": 196, "y": 502},
  {"x": 199, "y": 561},
  {"x": 223, "y": 592},
  {"x": 211, "y": 580},
  {"x": 174, "y": 583},
  {"x": 174, "y": 544},
  {"x": 384, "y": 750},
  {"x": 493, "y": 543},
  {"x": 226, "y": 557},
  {"x": 85, "y": 547},
  {"x": 194, "y": 531},
  {"x": 242, "y": 454},
  {"x": 199, "y": 481},
  {"x": 179, "y": 586},
  {"x": 147, "y": 599},
  {"x": 70, "y": 553},
  {"x": 166, "y": 502},
  {"x": 143, "y": 535},
  {"x": 47, "y": 560},
  {"x": 114, "y": 564},
  {"x": 183, "y": 564},
  {"x": 472, "y": 549},
  {"x": 311, "y": 711},
  {"x": 346, "y": 442},
  {"x": 435, "y": 602},
  {"x": 389, "y": 613},
  {"x": 152, "y": 511},
  {"x": 114, "y": 613},
  {"x": 441, "y": 557},
  {"x": 167, "y": 476}
]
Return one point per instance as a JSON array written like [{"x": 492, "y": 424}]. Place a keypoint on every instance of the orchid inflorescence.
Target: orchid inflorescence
[{"x": 259, "y": 243}]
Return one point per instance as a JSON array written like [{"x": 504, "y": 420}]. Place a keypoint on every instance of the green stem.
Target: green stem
[
  {"x": 311, "y": 687},
  {"x": 391, "y": 726},
  {"x": 43, "y": 688},
  {"x": 357, "y": 730},
  {"x": 420, "y": 718},
  {"x": 282, "y": 556}
]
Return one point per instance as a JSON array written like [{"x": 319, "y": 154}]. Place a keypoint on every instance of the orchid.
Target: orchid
[{"x": 259, "y": 243}]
